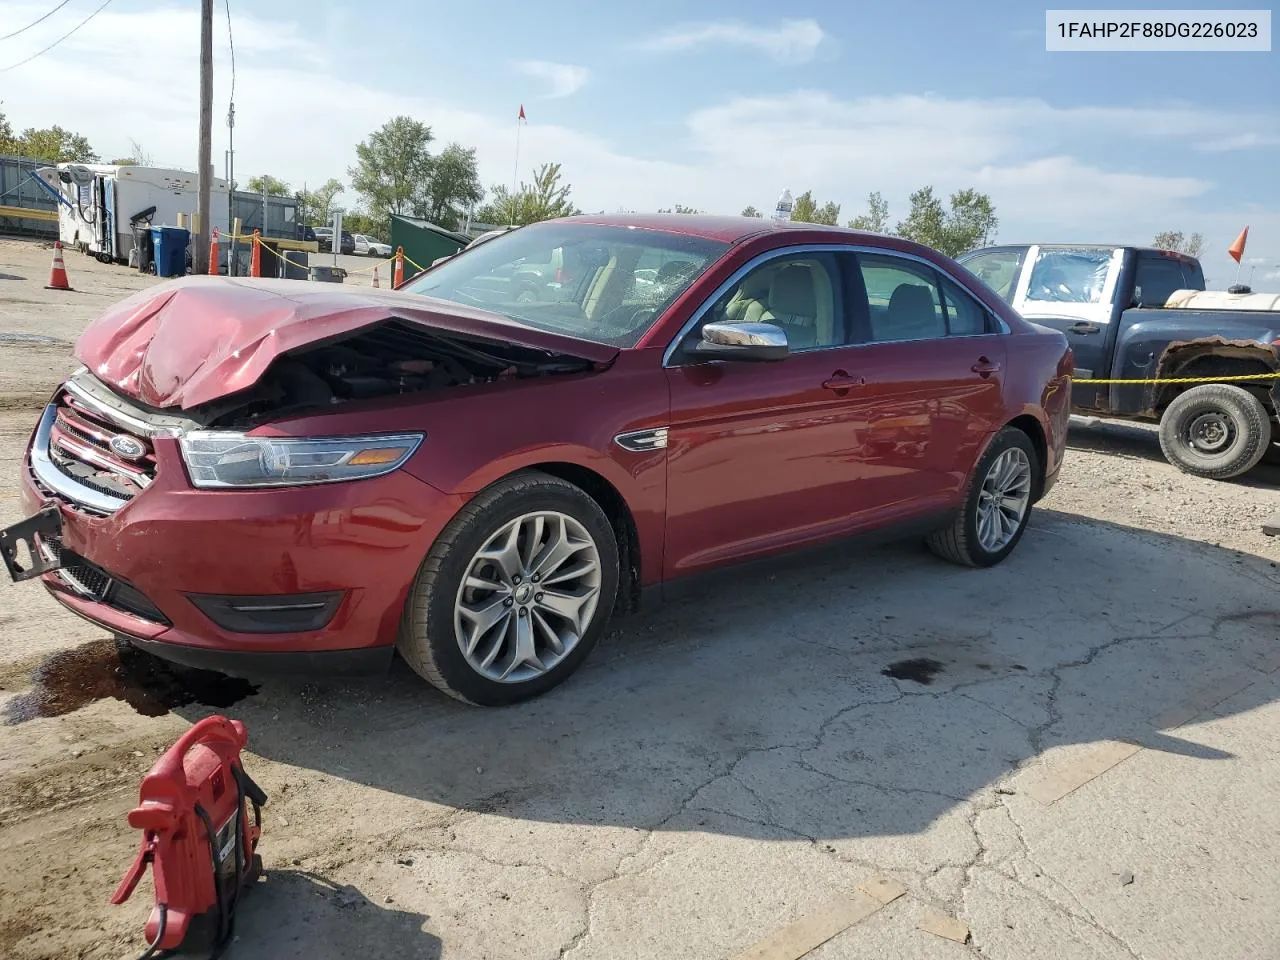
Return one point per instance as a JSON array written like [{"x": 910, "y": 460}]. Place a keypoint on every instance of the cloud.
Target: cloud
[
  {"x": 563, "y": 79},
  {"x": 791, "y": 41}
]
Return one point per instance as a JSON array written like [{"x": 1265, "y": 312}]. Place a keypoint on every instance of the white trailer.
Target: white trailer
[{"x": 102, "y": 200}]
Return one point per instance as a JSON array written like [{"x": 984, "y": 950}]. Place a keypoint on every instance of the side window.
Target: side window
[
  {"x": 902, "y": 299},
  {"x": 796, "y": 293},
  {"x": 965, "y": 316},
  {"x": 1157, "y": 278},
  {"x": 998, "y": 270}
]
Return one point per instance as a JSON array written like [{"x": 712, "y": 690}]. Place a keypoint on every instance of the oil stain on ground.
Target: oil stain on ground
[
  {"x": 920, "y": 669},
  {"x": 103, "y": 669}
]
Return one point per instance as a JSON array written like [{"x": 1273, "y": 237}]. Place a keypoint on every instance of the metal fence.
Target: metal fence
[{"x": 17, "y": 189}]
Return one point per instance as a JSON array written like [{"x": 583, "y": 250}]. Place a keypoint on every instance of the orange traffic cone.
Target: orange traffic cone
[
  {"x": 213, "y": 253},
  {"x": 58, "y": 274},
  {"x": 397, "y": 276},
  {"x": 375, "y": 277},
  {"x": 255, "y": 255}
]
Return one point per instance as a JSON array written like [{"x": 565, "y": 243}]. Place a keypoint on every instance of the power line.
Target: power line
[
  {"x": 34, "y": 22},
  {"x": 38, "y": 53},
  {"x": 231, "y": 40}
]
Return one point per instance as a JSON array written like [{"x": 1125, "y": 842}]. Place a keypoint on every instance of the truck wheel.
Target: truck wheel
[
  {"x": 997, "y": 505},
  {"x": 514, "y": 593},
  {"x": 1216, "y": 430}
]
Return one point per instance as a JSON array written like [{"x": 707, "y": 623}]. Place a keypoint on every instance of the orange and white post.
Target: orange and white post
[
  {"x": 255, "y": 255},
  {"x": 213, "y": 253},
  {"x": 397, "y": 277}
]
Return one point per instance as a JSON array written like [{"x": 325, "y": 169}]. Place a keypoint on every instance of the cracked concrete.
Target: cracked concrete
[{"x": 723, "y": 767}]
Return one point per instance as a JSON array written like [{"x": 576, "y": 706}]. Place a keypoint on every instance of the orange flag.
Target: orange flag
[{"x": 1236, "y": 250}]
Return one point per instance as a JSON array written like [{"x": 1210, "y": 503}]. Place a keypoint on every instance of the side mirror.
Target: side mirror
[{"x": 741, "y": 341}]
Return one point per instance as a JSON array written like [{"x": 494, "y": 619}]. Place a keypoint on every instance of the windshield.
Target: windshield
[{"x": 602, "y": 283}]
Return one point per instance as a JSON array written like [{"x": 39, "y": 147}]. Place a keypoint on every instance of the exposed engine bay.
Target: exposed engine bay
[{"x": 388, "y": 359}]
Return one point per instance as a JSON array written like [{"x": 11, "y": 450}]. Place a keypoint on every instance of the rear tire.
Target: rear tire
[
  {"x": 1216, "y": 430},
  {"x": 480, "y": 572},
  {"x": 997, "y": 504}
]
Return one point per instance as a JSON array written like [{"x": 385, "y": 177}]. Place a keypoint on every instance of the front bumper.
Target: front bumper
[{"x": 176, "y": 569}]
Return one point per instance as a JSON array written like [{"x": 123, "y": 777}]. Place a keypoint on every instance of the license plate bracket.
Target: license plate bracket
[{"x": 47, "y": 522}]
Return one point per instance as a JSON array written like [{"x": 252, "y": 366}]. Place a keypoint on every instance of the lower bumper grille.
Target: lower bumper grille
[{"x": 94, "y": 583}]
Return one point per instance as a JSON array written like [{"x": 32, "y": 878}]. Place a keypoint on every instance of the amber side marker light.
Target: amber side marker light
[{"x": 376, "y": 455}]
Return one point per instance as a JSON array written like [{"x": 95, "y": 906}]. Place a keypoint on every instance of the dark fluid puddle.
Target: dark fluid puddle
[
  {"x": 921, "y": 670},
  {"x": 100, "y": 669}
]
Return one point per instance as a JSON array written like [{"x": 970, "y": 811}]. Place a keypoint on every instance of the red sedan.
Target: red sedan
[{"x": 480, "y": 468}]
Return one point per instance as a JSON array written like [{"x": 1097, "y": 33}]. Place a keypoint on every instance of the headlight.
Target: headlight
[{"x": 217, "y": 458}]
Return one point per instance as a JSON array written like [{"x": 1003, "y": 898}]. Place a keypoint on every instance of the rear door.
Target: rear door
[
  {"x": 1072, "y": 289},
  {"x": 933, "y": 358}
]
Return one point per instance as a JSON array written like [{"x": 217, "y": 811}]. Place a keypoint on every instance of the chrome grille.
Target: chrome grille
[{"x": 80, "y": 448}]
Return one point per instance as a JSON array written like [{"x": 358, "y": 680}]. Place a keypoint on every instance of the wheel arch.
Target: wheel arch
[
  {"x": 616, "y": 508},
  {"x": 1034, "y": 430},
  {"x": 1217, "y": 358}
]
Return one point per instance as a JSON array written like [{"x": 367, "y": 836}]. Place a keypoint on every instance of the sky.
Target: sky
[{"x": 712, "y": 104}]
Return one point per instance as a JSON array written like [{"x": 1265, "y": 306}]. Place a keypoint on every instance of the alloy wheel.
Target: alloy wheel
[{"x": 528, "y": 596}]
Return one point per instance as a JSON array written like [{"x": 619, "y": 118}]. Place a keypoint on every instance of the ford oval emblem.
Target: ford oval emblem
[{"x": 130, "y": 448}]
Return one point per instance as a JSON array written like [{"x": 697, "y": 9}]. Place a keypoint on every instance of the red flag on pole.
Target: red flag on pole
[
  {"x": 1236, "y": 250},
  {"x": 521, "y": 116}
]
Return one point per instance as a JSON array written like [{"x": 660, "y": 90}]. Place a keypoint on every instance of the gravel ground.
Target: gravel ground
[{"x": 1072, "y": 755}]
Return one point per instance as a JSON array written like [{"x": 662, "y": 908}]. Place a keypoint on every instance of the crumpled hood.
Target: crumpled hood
[{"x": 186, "y": 342}]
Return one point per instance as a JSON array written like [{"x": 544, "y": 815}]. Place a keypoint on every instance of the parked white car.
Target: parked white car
[{"x": 369, "y": 247}]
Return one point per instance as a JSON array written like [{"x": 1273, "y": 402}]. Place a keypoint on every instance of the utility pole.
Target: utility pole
[{"x": 200, "y": 255}]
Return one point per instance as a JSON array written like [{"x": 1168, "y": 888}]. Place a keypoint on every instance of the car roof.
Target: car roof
[{"x": 708, "y": 227}]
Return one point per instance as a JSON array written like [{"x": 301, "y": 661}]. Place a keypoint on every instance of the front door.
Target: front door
[{"x": 763, "y": 456}]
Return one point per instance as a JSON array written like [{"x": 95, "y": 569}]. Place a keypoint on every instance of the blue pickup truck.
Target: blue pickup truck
[{"x": 1133, "y": 313}]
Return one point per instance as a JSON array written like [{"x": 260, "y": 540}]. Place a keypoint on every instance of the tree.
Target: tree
[
  {"x": 544, "y": 199},
  {"x": 53, "y": 145},
  {"x": 1174, "y": 240},
  {"x": 806, "y": 210},
  {"x": 679, "y": 208},
  {"x": 876, "y": 219},
  {"x": 271, "y": 186},
  {"x": 137, "y": 157},
  {"x": 393, "y": 166},
  {"x": 452, "y": 188},
  {"x": 970, "y": 222},
  {"x": 316, "y": 207},
  {"x": 751, "y": 211},
  {"x": 358, "y": 221}
]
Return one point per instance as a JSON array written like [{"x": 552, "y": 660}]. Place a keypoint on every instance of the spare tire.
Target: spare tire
[{"x": 1215, "y": 430}]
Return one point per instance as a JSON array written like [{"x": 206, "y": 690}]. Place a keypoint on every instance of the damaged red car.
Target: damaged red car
[{"x": 480, "y": 468}]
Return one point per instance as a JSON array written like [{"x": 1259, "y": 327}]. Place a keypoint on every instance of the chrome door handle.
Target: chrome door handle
[
  {"x": 985, "y": 367},
  {"x": 841, "y": 381}
]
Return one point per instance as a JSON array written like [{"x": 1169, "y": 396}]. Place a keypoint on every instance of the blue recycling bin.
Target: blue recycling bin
[{"x": 170, "y": 250}]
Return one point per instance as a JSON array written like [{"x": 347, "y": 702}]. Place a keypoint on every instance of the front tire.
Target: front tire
[
  {"x": 1216, "y": 430},
  {"x": 514, "y": 594},
  {"x": 997, "y": 506}
]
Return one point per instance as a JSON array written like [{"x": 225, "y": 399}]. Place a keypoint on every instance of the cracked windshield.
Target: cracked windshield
[{"x": 606, "y": 284}]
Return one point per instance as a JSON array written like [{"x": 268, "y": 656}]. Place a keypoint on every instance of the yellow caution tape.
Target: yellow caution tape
[{"x": 1231, "y": 379}]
